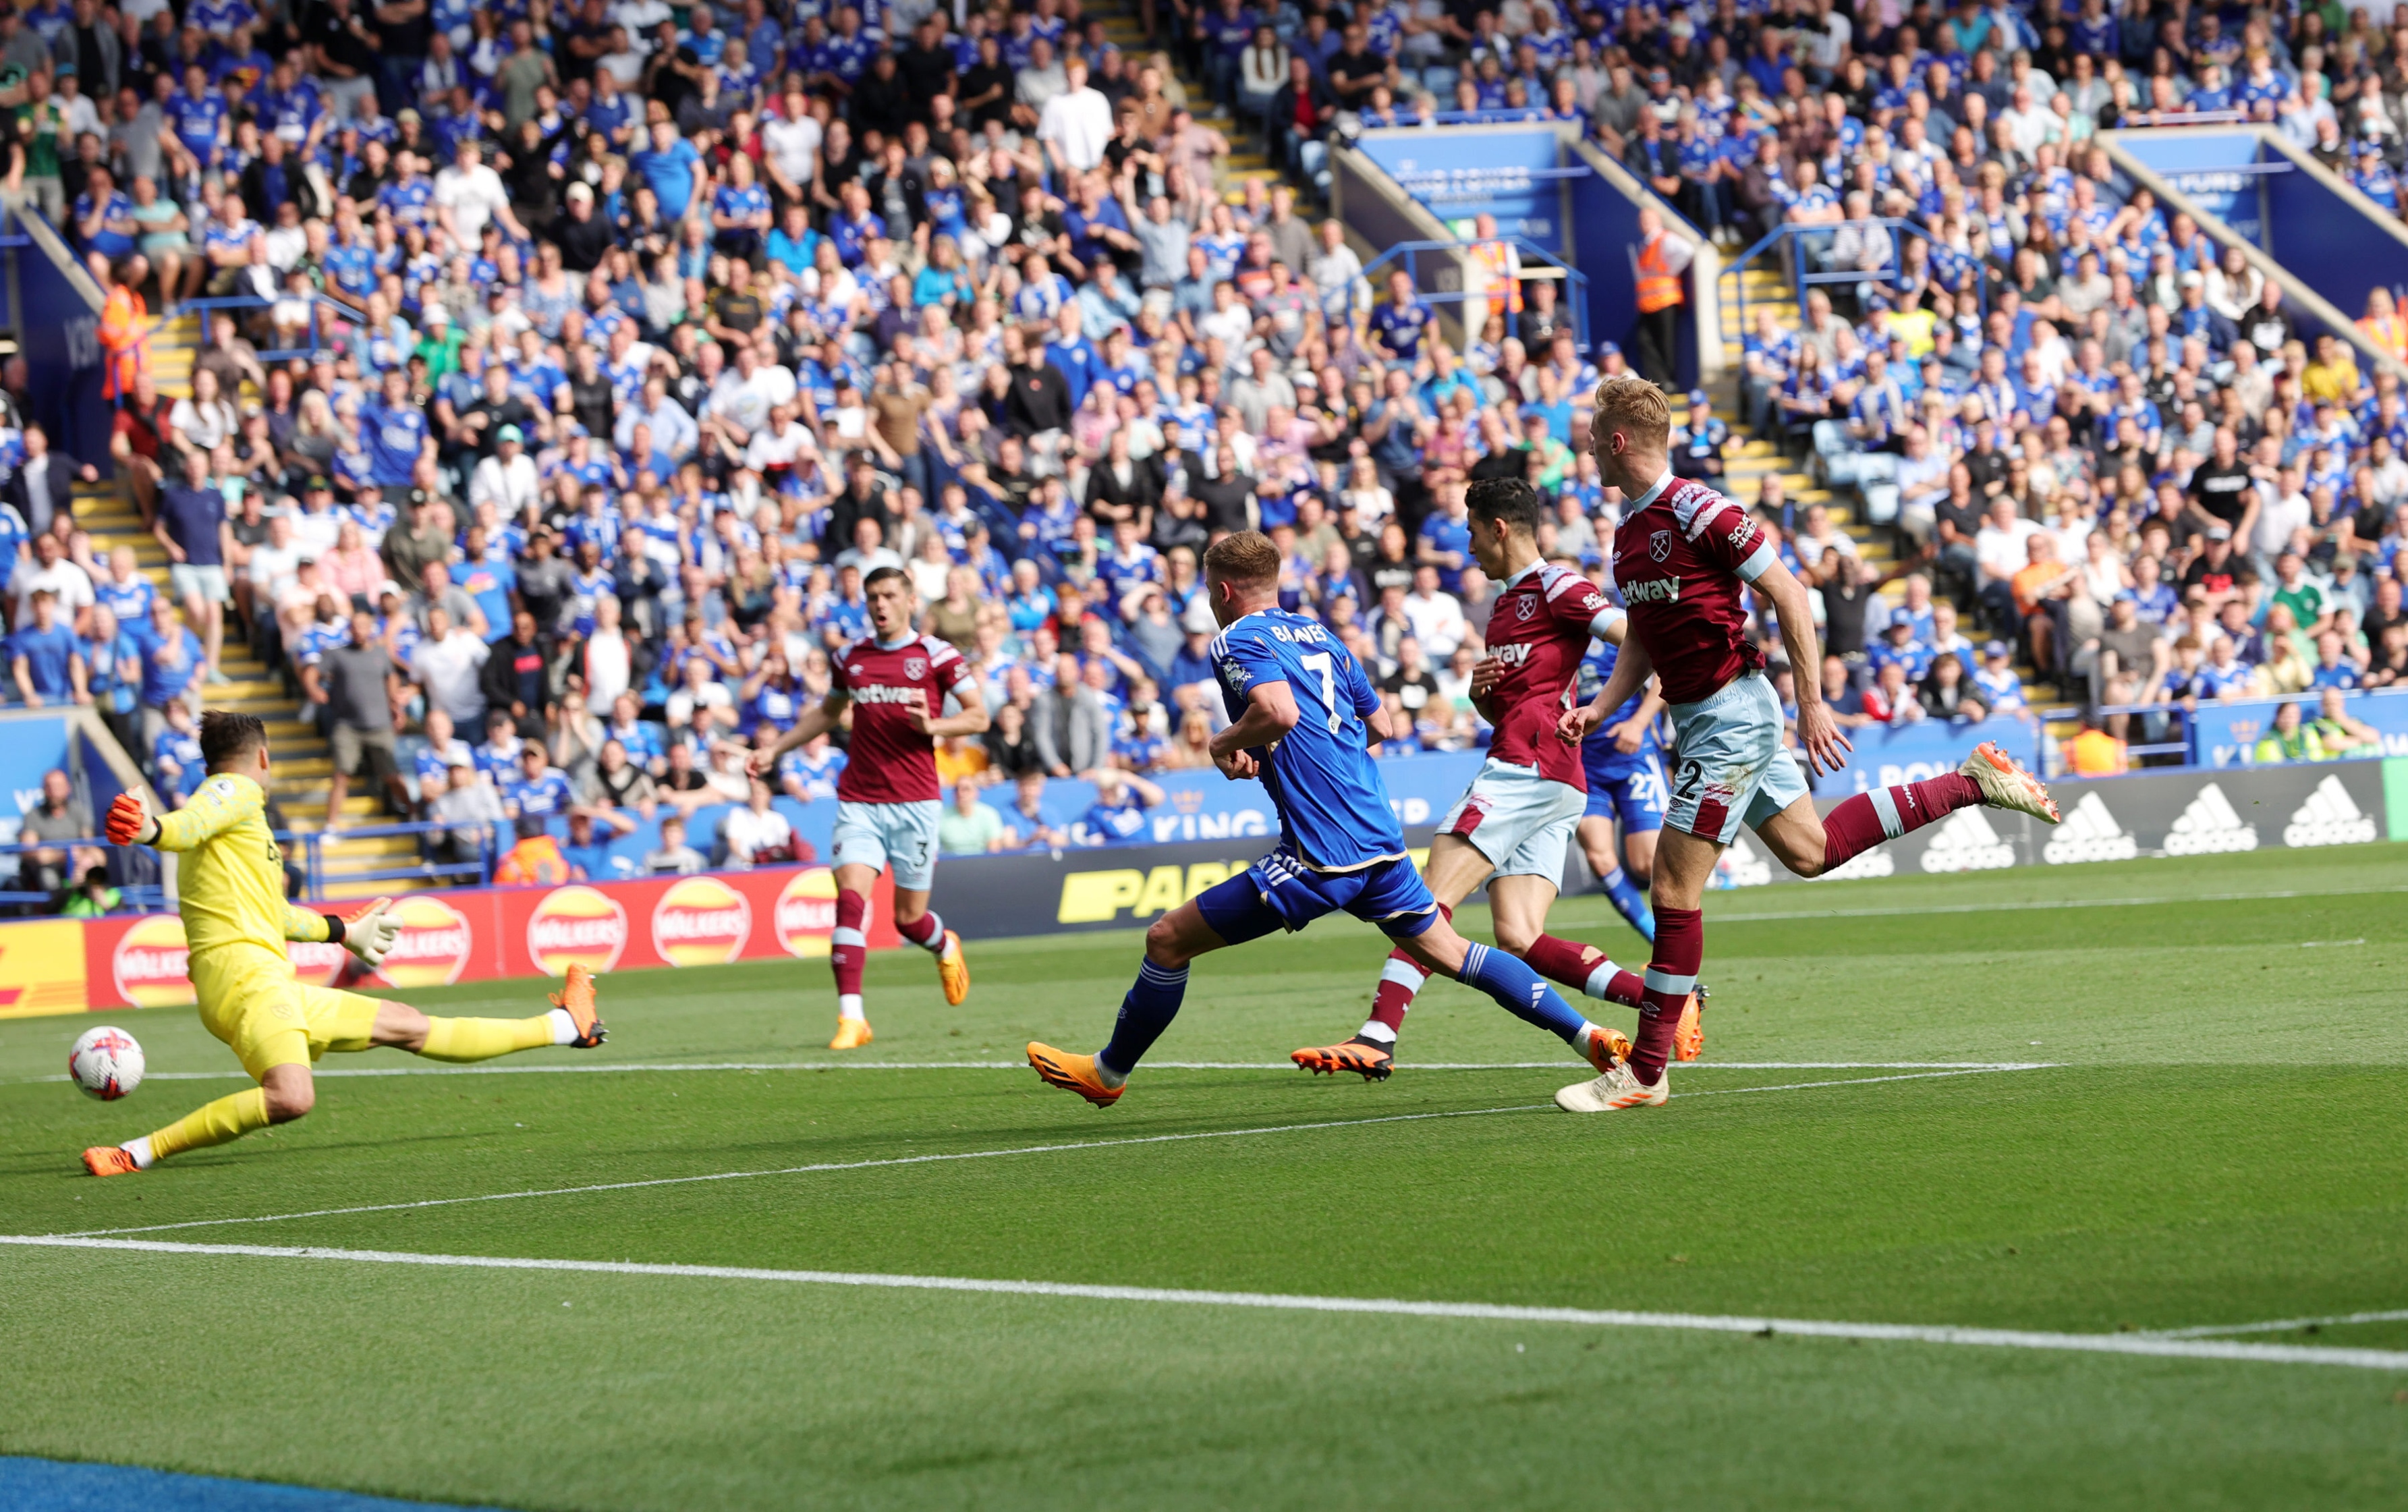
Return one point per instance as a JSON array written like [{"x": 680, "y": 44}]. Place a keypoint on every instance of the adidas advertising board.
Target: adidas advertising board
[
  {"x": 2211, "y": 826},
  {"x": 1965, "y": 841},
  {"x": 2329, "y": 818},
  {"x": 2089, "y": 833}
]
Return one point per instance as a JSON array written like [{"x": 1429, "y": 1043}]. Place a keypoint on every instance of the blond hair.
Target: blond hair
[
  {"x": 1245, "y": 556},
  {"x": 1633, "y": 407}
]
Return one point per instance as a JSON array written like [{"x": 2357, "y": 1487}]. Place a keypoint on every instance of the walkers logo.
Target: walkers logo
[
  {"x": 1877, "y": 862},
  {"x": 2089, "y": 833},
  {"x": 151, "y": 964},
  {"x": 1740, "y": 867},
  {"x": 1965, "y": 841},
  {"x": 2329, "y": 818},
  {"x": 433, "y": 947},
  {"x": 702, "y": 921},
  {"x": 2211, "y": 826},
  {"x": 576, "y": 927},
  {"x": 806, "y": 913}
]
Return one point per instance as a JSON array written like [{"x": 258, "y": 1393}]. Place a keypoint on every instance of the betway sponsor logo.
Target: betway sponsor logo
[
  {"x": 1966, "y": 841},
  {"x": 2089, "y": 833},
  {"x": 880, "y": 693},
  {"x": 2329, "y": 818},
  {"x": 2211, "y": 826},
  {"x": 1652, "y": 591}
]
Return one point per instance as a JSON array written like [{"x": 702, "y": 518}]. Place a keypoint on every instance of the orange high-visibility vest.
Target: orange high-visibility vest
[
  {"x": 124, "y": 342},
  {"x": 2389, "y": 333},
  {"x": 1498, "y": 258},
  {"x": 1659, "y": 287}
]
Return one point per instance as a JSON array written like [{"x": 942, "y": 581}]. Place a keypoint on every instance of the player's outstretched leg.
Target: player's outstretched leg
[
  {"x": 228, "y": 1118},
  {"x": 1517, "y": 989},
  {"x": 1230, "y": 914},
  {"x": 1988, "y": 777},
  {"x": 573, "y": 1021}
]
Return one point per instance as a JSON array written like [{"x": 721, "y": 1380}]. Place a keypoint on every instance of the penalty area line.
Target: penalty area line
[
  {"x": 983, "y": 1155},
  {"x": 2154, "y": 1345}
]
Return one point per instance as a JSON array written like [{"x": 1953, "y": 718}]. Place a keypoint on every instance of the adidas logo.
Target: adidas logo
[
  {"x": 1740, "y": 867},
  {"x": 1967, "y": 843},
  {"x": 1877, "y": 862},
  {"x": 2211, "y": 826},
  {"x": 2089, "y": 833},
  {"x": 2329, "y": 818}
]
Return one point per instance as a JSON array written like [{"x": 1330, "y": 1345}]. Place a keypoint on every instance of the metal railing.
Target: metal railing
[
  {"x": 1801, "y": 279},
  {"x": 133, "y": 871},
  {"x": 420, "y": 869},
  {"x": 1551, "y": 269},
  {"x": 344, "y": 313}
]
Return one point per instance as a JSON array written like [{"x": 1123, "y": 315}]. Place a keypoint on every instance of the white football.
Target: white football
[{"x": 106, "y": 1063}]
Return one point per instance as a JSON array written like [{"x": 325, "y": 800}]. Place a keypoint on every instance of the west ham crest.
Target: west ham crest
[
  {"x": 915, "y": 667},
  {"x": 1525, "y": 606},
  {"x": 1659, "y": 545}
]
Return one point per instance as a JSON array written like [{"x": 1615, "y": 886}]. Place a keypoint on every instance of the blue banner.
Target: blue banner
[
  {"x": 37, "y": 743},
  {"x": 2227, "y": 734},
  {"x": 1916, "y": 753},
  {"x": 1467, "y": 172}
]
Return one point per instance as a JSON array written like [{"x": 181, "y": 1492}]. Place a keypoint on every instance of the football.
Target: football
[{"x": 106, "y": 1063}]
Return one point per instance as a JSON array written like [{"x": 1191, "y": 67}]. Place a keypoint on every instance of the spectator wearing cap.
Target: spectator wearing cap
[
  {"x": 1698, "y": 441},
  {"x": 421, "y": 539},
  {"x": 508, "y": 479}
]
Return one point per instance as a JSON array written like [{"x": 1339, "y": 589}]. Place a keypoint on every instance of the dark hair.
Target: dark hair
[
  {"x": 227, "y": 736},
  {"x": 1508, "y": 500},
  {"x": 881, "y": 575}
]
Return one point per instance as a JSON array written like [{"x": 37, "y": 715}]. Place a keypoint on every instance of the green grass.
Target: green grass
[{"x": 2222, "y": 1142}]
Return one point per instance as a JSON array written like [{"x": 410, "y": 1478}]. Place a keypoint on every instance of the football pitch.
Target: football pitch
[{"x": 2065, "y": 1187}]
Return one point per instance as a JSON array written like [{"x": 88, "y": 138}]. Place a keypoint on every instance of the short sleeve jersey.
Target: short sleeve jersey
[
  {"x": 1334, "y": 810},
  {"x": 889, "y": 761},
  {"x": 1681, "y": 558},
  {"x": 1538, "y": 629}
]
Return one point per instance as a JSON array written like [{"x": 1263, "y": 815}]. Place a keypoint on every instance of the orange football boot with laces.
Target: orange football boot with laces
[
  {"x": 1689, "y": 1035},
  {"x": 953, "y": 970},
  {"x": 1073, "y": 1073},
  {"x": 850, "y": 1035}
]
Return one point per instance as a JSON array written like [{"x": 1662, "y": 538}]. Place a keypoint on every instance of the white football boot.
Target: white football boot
[{"x": 1616, "y": 1089}]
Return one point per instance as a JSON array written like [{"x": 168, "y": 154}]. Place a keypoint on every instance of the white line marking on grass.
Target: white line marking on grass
[
  {"x": 2110, "y": 1343},
  {"x": 2329, "y": 945},
  {"x": 989, "y": 1154},
  {"x": 2283, "y": 1325},
  {"x": 2047, "y": 904},
  {"x": 593, "y": 1067}
]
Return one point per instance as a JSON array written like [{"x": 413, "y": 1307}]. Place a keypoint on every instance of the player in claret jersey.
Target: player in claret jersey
[
  {"x": 887, "y": 800},
  {"x": 1684, "y": 559},
  {"x": 1302, "y": 716},
  {"x": 1513, "y": 824}
]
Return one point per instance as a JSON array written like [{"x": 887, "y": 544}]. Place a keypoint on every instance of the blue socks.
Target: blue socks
[
  {"x": 1152, "y": 1004},
  {"x": 1629, "y": 902},
  {"x": 1520, "y": 991}
]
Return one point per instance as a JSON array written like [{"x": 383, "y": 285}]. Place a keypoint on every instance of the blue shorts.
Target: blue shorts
[
  {"x": 1631, "y": 789},
  {"x": 1730, "y": 767},
  {"x": 1280, "y": 891}
]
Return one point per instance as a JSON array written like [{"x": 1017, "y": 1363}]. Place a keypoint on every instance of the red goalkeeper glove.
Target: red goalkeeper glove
[{"x": 129, "y": 823}]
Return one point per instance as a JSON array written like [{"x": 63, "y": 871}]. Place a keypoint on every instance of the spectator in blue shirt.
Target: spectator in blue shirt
[
  {"x": 540, "y": 789},
  {"x": 48, "y": 664},
  {"x": 1117, "y": 817}
]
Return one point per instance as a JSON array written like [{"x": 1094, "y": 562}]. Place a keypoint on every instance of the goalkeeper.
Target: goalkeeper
[{"x": 236, "y": 921}]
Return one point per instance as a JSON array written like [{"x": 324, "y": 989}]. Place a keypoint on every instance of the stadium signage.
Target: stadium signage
[
  {"x": 435, "y": 945},
  {"x": 805, "y": 914},
  {"x": 576, "y": 924},
  {"x": 701, "y": 921}
]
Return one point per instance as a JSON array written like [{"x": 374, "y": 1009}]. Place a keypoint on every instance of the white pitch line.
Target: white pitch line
[
  {"x": 2156, "y": 1346},
  {"x": 2283, "y": 1325},
  {"x": 591, "y": 1068},
  {"x": 2048, "y": 903},
  {"x": 981, "y": 1155}
]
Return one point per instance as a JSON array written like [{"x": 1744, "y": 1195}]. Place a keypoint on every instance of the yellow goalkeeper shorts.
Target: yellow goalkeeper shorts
[{"x": 249, "y": 999}]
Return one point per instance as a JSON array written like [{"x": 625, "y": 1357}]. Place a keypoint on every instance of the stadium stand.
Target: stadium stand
[{"x": 677, "y": 432}]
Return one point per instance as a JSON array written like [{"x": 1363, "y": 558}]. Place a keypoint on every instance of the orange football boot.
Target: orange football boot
[
  {"x": 953, "y": 970},
  {"x": 1607, "y": 1049},
  {"x": 576, "y": 999},
  {"x": 1689, "y": 1035},
  {"x": 1073, "y": 1073},
  {"x": 850, "y": 1035},
  {"x": 109, "y": 1161},
  {"x": 1372, "y": 1062}
]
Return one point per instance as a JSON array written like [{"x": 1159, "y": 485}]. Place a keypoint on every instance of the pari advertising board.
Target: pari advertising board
[{"x": 447, "y": 937}]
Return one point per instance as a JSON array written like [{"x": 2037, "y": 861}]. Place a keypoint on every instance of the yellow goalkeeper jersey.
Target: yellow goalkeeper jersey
[{"x": 231, "y": 886}]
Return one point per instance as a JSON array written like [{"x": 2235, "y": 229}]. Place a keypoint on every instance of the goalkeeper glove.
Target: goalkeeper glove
[
  {"x": 129, "y": 823},
  {"x": 371, "y": 932}
]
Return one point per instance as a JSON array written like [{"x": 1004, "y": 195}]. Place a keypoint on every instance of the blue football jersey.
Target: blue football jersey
[
  {"x": 1598, "y": 753},
  {"x": 1333, "y": 809}
]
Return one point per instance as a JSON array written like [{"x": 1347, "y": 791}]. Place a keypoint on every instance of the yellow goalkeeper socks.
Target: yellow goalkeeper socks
[
  {"x": 228, "y": 1118},
  {"x": 483, "y": 1039}
]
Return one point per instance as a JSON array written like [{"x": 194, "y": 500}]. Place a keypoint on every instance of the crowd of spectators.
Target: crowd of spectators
[{"x": 640, "y": 335}]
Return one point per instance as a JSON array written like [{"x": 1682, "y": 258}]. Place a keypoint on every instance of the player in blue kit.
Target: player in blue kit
[
  {"x": 1302, "y": 716},
  {"x": 1625, "y": 782}
]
